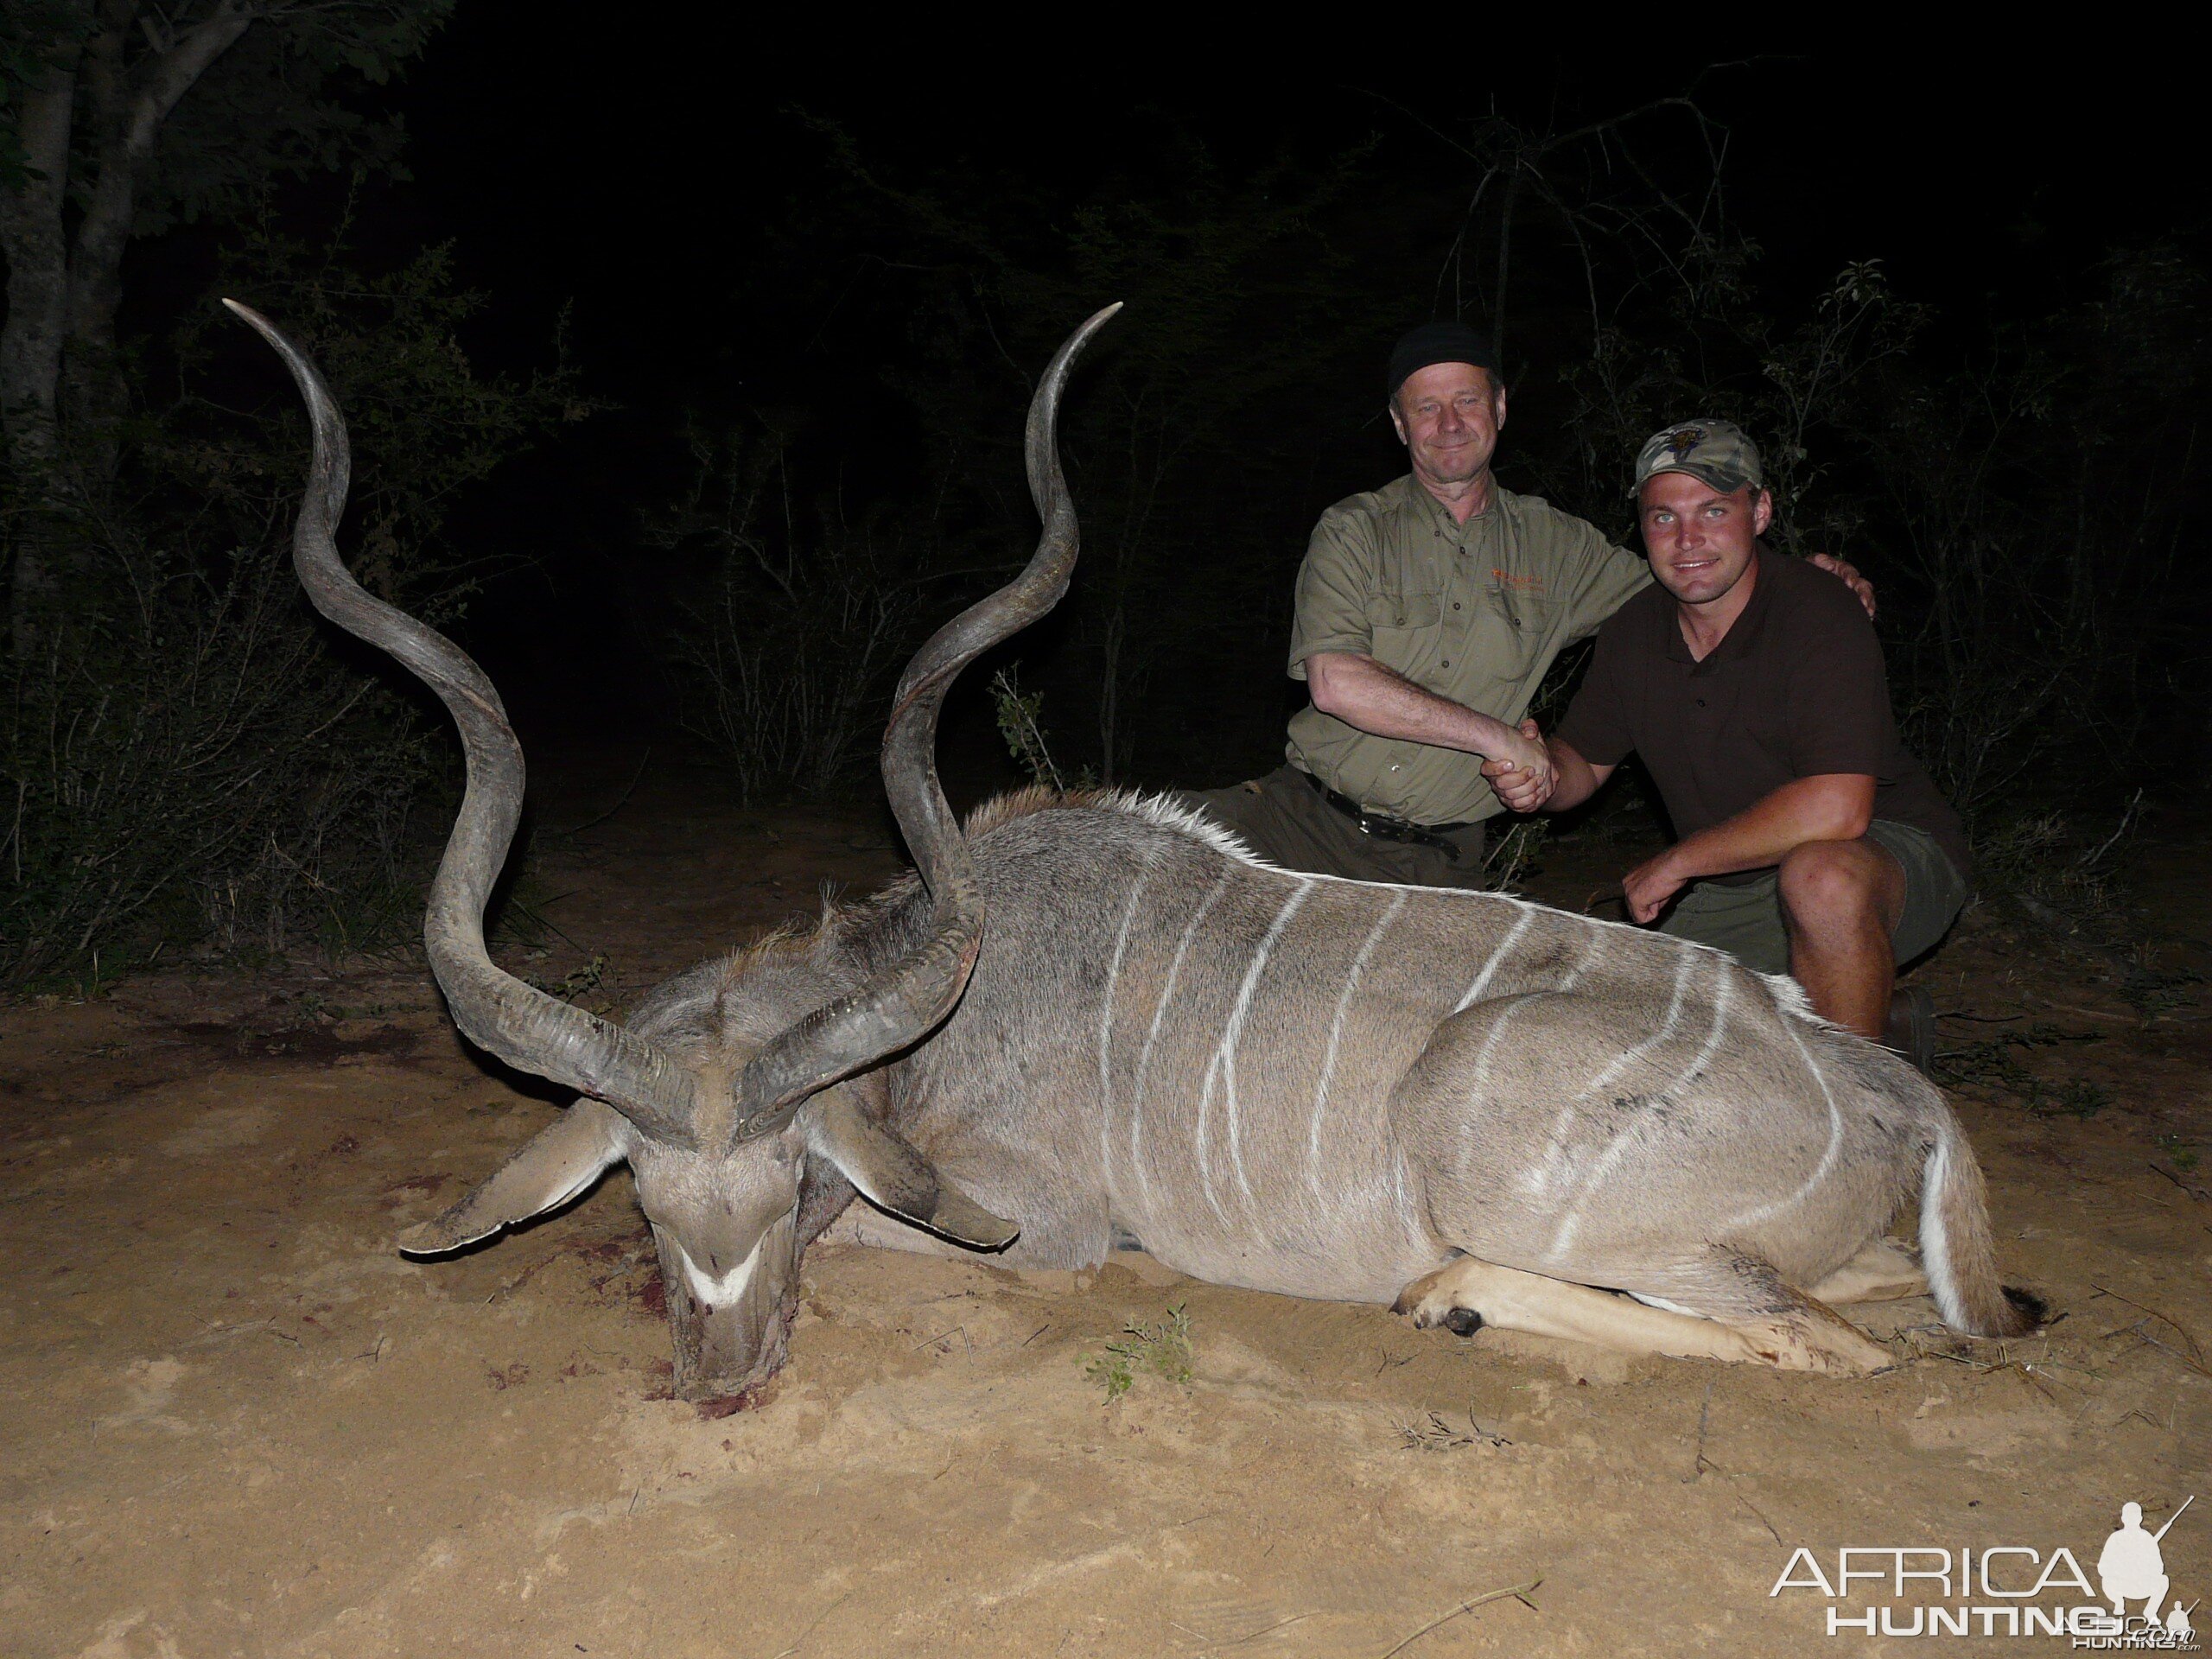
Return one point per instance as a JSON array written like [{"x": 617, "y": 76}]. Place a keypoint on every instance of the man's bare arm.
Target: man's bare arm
[
  {"x": 1831, "y": 806},
  {"x": 1362, "y": 692}
]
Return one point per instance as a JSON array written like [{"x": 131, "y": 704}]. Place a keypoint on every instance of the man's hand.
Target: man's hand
[
  {"x": 1848, "y": 574},
  {"x": 1650, "y": 885},
  {"x": 1523, "y": 774}
]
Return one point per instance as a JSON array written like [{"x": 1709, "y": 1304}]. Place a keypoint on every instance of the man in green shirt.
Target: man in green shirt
[{"x": 1427, "y": 613}]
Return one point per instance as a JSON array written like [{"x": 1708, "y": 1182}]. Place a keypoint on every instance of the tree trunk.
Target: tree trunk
[
  {"x": 60, "y": 384},
  {"x": 128, "y": 109},
  {"x": 1109, "y": 690},
  {"x": 1504, "y": 261},
  {"x": 38, "y": 303}
]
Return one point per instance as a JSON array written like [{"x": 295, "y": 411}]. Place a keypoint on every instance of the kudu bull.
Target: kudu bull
[{"x": 1094, "y": 1015}]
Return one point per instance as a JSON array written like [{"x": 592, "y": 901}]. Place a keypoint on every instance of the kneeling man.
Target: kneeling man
[{"x": 1752, "y": 686}]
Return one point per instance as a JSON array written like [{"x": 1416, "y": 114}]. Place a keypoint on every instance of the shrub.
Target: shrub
[{"x": 188, "y": 756}]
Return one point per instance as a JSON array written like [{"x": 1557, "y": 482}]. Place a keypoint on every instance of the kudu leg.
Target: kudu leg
[
  {"x": 1882, "y": 1272},
  {"x": 1790, "y": 1332}
]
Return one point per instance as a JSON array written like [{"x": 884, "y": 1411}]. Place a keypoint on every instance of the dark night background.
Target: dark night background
[
  {"x": 835, "y": 259},
  {"x": 645, "y": 185}
]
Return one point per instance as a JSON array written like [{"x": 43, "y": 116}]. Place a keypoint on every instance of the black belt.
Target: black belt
[{"x": 1382, "y": 828}]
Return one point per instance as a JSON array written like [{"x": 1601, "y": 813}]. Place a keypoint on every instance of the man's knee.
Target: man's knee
[{"x": 1832, "y": 883}]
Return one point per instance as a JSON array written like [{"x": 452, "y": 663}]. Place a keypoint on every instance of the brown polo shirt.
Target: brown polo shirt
[{"x": 1794, "y": 690}]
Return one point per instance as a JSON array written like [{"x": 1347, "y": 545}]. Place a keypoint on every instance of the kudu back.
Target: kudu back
[{"x": 1096, "y": 1014}]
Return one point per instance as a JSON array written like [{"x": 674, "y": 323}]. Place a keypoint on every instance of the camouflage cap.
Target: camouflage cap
[{"x": 1715, "y": 451}]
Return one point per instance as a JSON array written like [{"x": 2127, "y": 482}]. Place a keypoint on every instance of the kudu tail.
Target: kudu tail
[{"x": 1956, "y": 1248}]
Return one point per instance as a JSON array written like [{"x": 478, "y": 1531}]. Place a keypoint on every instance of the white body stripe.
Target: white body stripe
[
  {"x": 1570, "y": 1220},
  {"x": 1223, "y": 1065},
  {"x": 1498, "y": 1030},
  {"x": 1612, "y": 1073},
  {"x": 1768, "y": 1212},
  {"x": 1481, "y": 980},
  {"x": 1106, "y": 1028},
  {"x": 1711, "y": 1038},
  {"x": 1546, "y": 1173},
  {"x": 1336, "y": 1034},
  {"x": 1398, "y": 1186},
  {"x": 1152, "y": 1036}
]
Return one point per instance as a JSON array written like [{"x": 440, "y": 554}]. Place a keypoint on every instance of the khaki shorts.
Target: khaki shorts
[{"x": 1746, "y": 921}]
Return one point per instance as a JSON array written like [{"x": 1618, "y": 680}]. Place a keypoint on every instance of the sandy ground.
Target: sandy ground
[{"x": 236, "y": 1423}]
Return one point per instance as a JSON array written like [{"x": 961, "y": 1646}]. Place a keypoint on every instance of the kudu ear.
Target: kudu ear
[
  {"x": 560, "y": 1162},
  {"x": 892, "y": 1176}
]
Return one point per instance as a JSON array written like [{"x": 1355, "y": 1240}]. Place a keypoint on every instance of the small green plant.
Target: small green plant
[
  {"x": 520, "y": 915},
  {"x": 2179, "y": 1153},
  {"x": 1512, "y": 859},
  {"x": 1437, "y": 1435},
  {"x": 2152, "y": 990},
  {"x": 569, "y": 987},
  {"x": 1162, "y": 1349},
  {"x": 1022, "y": 724},
  {"x": 2062, "y": 876},
  {"x": 1991, "y": 1065},
  {"x": 2076, "y": 1098}
]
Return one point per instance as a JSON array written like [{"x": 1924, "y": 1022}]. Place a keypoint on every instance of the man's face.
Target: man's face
[
  {"x": 1449, "y": 416},
  {"x": 1700, "y": 539}
]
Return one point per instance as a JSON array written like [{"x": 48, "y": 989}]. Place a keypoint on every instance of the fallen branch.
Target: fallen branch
[
  {"x": 1520, "y": 1592},
  {"x": 620, "y": 801},
  {"x": 2189, "y": 1187},
  {"x": 2195, "y": 1353},
  {"x": 1255, "y": 1635}
]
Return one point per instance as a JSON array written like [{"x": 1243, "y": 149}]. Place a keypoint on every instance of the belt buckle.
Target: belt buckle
[{"x": 1378, "y": 827}]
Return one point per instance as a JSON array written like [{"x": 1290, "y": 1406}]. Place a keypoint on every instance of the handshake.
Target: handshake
[{"x": 1523, "y": 771}]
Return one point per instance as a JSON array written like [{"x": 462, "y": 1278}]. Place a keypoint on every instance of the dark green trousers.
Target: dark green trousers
[{"x": 1283, "y": 818}]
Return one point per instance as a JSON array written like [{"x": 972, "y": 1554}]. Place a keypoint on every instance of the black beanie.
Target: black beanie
[{"x": 1439, "y": 342}]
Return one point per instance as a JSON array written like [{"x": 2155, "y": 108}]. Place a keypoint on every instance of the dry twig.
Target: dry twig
[
  {"x": 1520, "y": 1592},
  {"x": 1698, "y": 1462},
  {"x": 2195, "y": 1356}
]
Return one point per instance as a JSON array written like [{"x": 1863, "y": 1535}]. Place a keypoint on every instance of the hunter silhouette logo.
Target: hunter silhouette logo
[
  {"x": 2007, "y": 1590},
  {"x": 2133, "y": 1568}
]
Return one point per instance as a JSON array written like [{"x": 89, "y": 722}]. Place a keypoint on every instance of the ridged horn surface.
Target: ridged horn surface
[
  {"x": 519, "y": 1023},
  {"x": 903, "y": 1004}
]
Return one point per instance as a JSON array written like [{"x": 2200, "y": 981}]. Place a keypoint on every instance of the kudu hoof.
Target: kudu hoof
[{"x": 1428, "y": 1304}]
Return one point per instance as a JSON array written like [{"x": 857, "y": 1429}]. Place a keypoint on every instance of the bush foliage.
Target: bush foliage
[{"x": 190, "y": 757}]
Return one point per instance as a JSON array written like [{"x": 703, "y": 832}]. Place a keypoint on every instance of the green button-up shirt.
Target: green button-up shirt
[{"x": 1474, "y": 612}]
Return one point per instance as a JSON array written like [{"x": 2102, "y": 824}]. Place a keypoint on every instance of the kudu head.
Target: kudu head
[{"x": 733, "y": 1121}]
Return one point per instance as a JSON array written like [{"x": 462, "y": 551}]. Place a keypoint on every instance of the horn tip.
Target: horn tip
[{"x": 248, "y": 315}]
